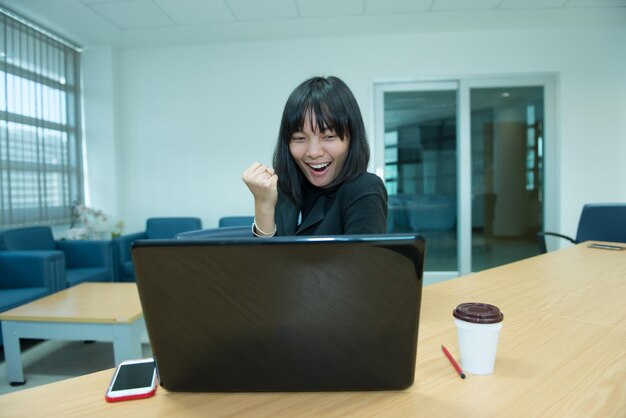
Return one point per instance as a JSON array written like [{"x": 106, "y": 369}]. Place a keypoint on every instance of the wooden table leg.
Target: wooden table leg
[{"x": 127, "y": 341}]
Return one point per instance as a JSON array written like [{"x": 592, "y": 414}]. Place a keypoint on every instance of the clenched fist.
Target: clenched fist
[{"x": 262, "y": 182}]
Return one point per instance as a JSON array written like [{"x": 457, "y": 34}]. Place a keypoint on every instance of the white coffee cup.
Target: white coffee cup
[{"x": 478, "y": 327}]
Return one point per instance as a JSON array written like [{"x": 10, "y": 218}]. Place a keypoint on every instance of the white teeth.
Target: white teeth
[{"x": 318, "y": 166}]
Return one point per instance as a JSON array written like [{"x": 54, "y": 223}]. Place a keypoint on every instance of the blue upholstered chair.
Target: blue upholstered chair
[
  {"x": 26, "y": 276},
  {"x": 598, "y": 222},
  {"x": 431, "y": 212},
  {"x": 156, "y": 228},
  {"x": 228, "y": 221},
  {"x": 76, "y": 261},
  {"x": 224, "y": 232}
]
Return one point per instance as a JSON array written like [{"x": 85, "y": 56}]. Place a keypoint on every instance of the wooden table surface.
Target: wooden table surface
[
  {"x": 562, "y": 352},
  {"x": 86, "y": 302}
]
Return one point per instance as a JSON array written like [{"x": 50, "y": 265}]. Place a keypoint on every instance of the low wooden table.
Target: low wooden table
[{"x": 88, "y": 311}]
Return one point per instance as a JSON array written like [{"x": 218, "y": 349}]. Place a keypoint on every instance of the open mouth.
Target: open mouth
[{"x": 319, "y": 167}]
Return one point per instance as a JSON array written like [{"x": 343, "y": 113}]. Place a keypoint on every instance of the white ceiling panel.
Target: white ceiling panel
[
  {"x": 316, "y": 8},
  {"x": 397, "y": 6},
  {"x": 263, "y": 10},
  {"x": 596, "y": 3},
  {"x": 70, "y": 19},
  {"x": 531, "y": 4},
  {"x": 134, "y": 14},
  {"x": 99, "y": 1},
  {"x": 463, "y": 5},
  {"x": 193, "y": 12},
  {"x": 176, "y": 22}
]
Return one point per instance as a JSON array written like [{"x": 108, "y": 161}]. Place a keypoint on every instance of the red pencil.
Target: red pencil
[{"x": 454, "y": 363}]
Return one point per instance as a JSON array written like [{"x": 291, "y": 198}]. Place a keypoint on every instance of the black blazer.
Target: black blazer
[{"x": 358, "y": 206}]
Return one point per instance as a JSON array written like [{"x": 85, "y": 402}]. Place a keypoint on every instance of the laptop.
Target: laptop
[{"x": 320, "y": 313}]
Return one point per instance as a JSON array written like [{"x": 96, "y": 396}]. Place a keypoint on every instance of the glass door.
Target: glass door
[
  {"x": 507, "y": 141},
  {"x": 418, "y": 160},
  {"x": 466, "y": 165}
]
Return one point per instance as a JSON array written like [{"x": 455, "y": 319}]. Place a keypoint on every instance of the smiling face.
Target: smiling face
[{"x": 319, "y": 154}]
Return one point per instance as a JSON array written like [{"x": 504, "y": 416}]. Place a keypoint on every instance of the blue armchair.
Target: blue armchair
[
  {"x": 432, "y": 212},
  {"x": 26, "y": 276},
  {"x": 223, "y": 232},
  {"x": 156, "y": 228},
  {"x": 228, "y": 221},
  {"x": 75, "y": 261}
]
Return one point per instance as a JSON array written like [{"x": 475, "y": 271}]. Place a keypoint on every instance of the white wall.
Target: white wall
[
  {"x": 100, "y": 148},
  {"x": 192, "y": 118}
]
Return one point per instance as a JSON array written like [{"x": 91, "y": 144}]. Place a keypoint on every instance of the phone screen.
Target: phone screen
[{"x": 132, "y": 376}]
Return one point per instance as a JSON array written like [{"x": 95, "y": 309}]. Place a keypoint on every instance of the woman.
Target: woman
[{"x": 319, "y": 184}]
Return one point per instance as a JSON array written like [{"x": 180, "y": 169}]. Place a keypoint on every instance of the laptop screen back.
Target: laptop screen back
[{"x": 282, "y": 314}]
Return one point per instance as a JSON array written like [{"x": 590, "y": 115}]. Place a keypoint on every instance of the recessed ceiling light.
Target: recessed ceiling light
[{"x": 506, "y": 94}]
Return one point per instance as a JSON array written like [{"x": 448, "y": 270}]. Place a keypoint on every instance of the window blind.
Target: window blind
[{"x": 40, "y": 146}]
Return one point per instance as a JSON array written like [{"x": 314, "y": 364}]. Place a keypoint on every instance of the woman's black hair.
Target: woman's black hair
[{"x": 332, "y": 103}]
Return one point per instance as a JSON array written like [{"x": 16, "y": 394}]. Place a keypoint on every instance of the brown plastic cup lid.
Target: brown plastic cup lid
[{"x": 478, "y": 313}]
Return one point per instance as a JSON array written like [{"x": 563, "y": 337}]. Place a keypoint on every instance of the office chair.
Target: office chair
[{"x": 598, "y": 222}]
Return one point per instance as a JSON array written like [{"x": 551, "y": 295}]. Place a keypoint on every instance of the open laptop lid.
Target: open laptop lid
[{"x": 282, "y": 314}]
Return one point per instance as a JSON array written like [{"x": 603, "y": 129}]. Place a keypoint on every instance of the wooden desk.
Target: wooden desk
[
  {"x": 562, "y": 351},
  {"x": 88, "y": 311}
]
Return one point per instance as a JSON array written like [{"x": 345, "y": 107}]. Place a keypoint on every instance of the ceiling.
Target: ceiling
[{"x": 145, "y": 23}]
